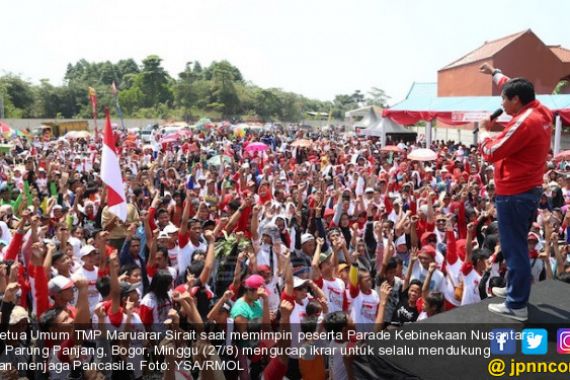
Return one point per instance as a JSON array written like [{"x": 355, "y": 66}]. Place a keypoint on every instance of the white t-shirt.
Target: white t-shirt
[
  {"x": 93, "y": 293},
  {"x": 334, "y": 292},
  {"x": 437, "y": 283},
  {"x": 471, "y": 288},
  {"x": 299, "y": 312},
  {"x": 185, "y": 254},
  {"x": 364, "y": 308}
]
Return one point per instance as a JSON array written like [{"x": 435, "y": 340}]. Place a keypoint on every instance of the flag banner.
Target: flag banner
[{"x": 111, "y": 173}]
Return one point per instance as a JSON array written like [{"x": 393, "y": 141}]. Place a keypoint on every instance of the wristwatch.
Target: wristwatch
[{"x": 495, "y": 72}]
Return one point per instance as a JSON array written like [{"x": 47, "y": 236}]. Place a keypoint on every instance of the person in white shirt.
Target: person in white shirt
[
  {"x": 324, "y": 275},
  {"x": 418, "y": 270},
  {"x": 89, "y": 255}
]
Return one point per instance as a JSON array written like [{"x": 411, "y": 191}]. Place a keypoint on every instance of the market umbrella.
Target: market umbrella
[
  {"x": 302, "y": 143},
  {"x": 562, "y": 156},
  {"x": 217, "y": 160},
  {"x": 392, "y": 148},
  {"x": 422, "y": 154},
  {"x": 256, "y": 147}
]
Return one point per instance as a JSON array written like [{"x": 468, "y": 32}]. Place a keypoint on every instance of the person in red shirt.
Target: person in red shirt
[{"x": 518, "y": 154}]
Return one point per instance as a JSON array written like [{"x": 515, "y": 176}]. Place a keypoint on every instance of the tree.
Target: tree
[
  {"x": 19, "y": 94},
  {"x": 233, "y": 72},
  {"x": 224, "y": 96},
  {"x": 358, "y": 98},
  {"x": 153, "y": 81},
  {"x": 377, "y": 97}
]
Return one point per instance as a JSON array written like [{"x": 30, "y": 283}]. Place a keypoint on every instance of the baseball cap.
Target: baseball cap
[
  {"x": 58, "y": 284},
  {"x": 533, "y": 236},
  {"x": 163, "y": 235},
  {"x": 306, "y": 237},
  {"x": 18, "y": 314},
  {"x": 324, "y": 255},
  {"x": 298, "y": 282},
  {"x": 342, "y": 266},
  {"x": 254, "y": 281},
  {"x": 126, "y": 288},
  {"x": 428, "y": 250},
  {"x": 369, "y": 190},
  {"x": 88, "y": 249},
  {"x": 170, "y": 229},
  {"x": 401, "y": 240}
]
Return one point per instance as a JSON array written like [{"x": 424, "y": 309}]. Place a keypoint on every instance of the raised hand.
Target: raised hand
[{"x": 385, "y": 290}]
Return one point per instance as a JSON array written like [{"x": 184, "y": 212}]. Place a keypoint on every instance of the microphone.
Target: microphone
[{"x": 493, "y": 116}]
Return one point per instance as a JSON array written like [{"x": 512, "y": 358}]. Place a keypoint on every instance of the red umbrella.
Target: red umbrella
[
  {"x": 562, "y": 156},
  {"x": 391, "y": 148},
  {"x": 256, "y": 147}
]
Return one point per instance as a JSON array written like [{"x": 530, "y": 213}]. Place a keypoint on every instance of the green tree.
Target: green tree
[
  {"x": 226, "y": 67},
  {"x": 154, "y": 82},
  {"x": 377, "y": 97},
  {"x": 224, "y": 97}
]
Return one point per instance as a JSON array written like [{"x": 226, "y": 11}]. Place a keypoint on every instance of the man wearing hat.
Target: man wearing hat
[
  {"x": 60, "y": 289},
  {"x": 420, "y": 267},
  {"x": 89, "y": 256}
]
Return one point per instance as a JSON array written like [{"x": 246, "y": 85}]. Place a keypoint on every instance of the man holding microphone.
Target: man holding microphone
[{"x": 519, "y": 155}]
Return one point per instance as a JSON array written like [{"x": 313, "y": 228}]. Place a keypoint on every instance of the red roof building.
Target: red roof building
[{"x": 518, "y": 55}]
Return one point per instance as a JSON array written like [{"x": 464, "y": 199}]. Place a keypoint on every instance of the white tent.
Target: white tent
[{"x": 384, "y": 127}]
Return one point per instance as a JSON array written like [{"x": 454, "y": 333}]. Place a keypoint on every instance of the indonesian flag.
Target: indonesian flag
[{"x": 111, "y": 173}]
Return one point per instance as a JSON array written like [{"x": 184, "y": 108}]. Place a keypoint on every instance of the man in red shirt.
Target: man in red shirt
[{"x": 518, "y": 154}]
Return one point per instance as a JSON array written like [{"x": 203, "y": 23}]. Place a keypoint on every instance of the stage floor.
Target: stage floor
[{"x": 549, "y": 309}]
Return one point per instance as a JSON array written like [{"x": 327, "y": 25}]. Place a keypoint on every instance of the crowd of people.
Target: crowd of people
[{"x": 332, "y": 235}]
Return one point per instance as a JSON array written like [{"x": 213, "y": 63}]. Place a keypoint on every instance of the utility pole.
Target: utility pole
[{"x": 1, "y": 106}]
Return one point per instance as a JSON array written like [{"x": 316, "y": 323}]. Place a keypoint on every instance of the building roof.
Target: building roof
[
  {"x": 486, "y": 51},
  {"x": 562, "y": 53}
]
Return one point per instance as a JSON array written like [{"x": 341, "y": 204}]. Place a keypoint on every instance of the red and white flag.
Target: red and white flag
[{"x": 111, "y": 173}]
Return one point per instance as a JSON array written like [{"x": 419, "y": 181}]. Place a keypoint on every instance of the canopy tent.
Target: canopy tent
[
  {"x": 386, "y": 127},
  {"x": 369, "y": 117},
  {"x": 422, "y": 103}
]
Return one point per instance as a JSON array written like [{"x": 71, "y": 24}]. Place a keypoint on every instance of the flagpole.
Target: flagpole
[
  {"x": 93, "y": 98},
  {"x": 115, "y": 93}
]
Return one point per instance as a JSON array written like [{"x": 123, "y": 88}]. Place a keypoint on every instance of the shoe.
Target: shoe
[
  {"x": 499, "y": 292},
  {"x": 505, "y": 311}
]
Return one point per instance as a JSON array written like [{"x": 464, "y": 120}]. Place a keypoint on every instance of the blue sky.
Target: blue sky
[{"x": 313, "y": 47}]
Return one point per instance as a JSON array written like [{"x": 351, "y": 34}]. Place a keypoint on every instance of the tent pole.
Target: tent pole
[
  {"x": 429, "y": 126},
  {"x": 557, "y": 134}
]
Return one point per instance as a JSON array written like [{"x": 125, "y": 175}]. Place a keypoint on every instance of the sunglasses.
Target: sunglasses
[
  {"x": 250, "y": 289},
  {"x": 302, "y": 288}
]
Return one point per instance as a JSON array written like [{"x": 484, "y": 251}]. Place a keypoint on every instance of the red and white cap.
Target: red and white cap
[{"x": 58, "y": 284}]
